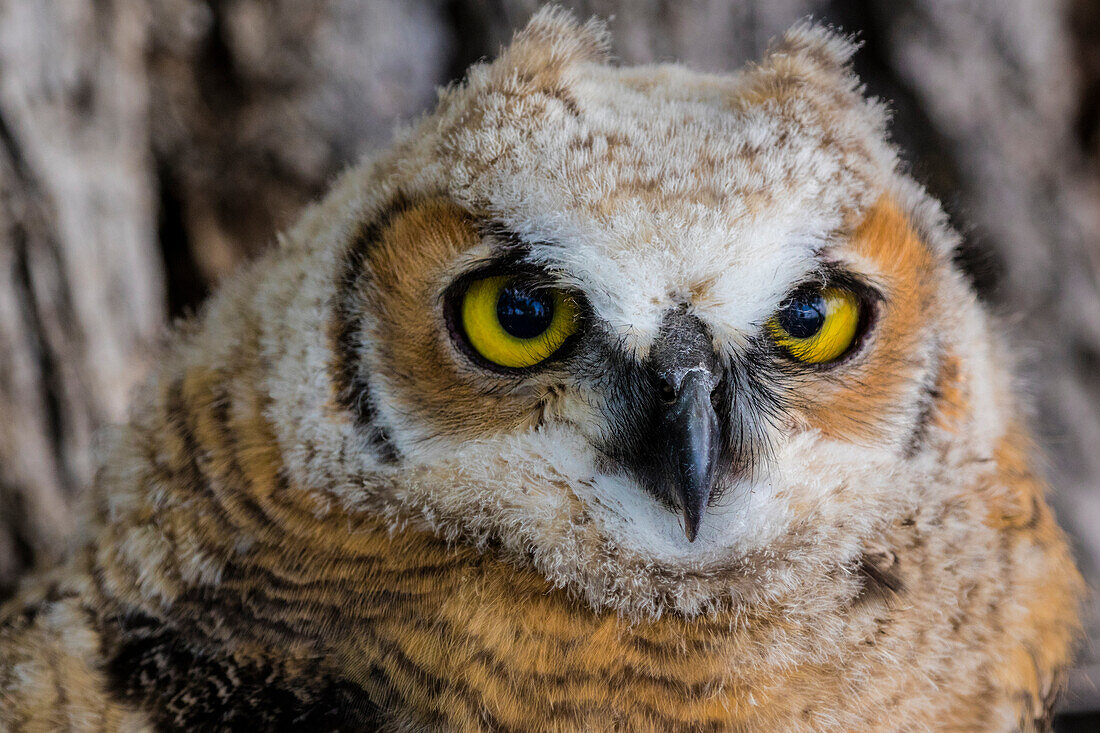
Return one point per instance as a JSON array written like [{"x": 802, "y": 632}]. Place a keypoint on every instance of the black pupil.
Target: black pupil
[
  {"x": 524, "y": 313},
  {"x": 803, "y": 315}
]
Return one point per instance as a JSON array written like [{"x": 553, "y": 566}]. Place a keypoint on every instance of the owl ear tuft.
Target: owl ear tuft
[
  {"x": 554, "y": 38},
  {"x": 808, "y": 56},
  {"x": 808, "y": 74},
  {"x": 808, "y": 49}
]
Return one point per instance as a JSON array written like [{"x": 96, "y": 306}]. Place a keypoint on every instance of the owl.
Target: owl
[{"x": 607, "y": 398}]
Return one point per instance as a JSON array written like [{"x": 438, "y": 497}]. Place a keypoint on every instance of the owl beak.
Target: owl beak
[{"x": 694, "y": 440}]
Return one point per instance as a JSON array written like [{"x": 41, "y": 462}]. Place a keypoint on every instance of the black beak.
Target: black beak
[
  {"x": 671, "y": 432},
  {"x": 693, "y": 439}
]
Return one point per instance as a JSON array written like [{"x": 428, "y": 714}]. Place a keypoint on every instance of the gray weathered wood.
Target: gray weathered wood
[{"x": 81, "y": 284}]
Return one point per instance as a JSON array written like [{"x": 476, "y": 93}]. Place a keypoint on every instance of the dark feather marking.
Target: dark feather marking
[
  {"x": 881, "y": 573},
  {"x": 353, "y": 391},
  {"x": 185, "y": 685},
  {"x": 929, "y": 397}
]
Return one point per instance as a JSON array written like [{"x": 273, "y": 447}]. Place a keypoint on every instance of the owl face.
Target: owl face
[{"x": 658, "y": 333}]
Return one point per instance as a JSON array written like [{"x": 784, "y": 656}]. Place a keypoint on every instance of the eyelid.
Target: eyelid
[
  {"x": 513, "y": 267},
  {"x": 837, "y": 275}
]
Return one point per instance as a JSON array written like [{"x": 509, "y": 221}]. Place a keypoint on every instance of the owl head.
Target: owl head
[{"x": 675, "y": 340}]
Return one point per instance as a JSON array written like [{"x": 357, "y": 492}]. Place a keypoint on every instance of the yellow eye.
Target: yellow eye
[
  {"x": 817, "y": 326},
  {"x": 513, "y": 324}
]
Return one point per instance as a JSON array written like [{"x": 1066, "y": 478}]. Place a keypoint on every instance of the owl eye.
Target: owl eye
[
  {"x": 817, "y": 326},
  {"x": 514, "y": 323}
]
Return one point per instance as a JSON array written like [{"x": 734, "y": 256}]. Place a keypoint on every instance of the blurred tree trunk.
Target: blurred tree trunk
[
  {"x": 148, "y": 146},
  {"x": 81, "y": 281}
]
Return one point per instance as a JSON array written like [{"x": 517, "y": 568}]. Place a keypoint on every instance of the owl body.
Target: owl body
[{"x": 345, "y": 501}]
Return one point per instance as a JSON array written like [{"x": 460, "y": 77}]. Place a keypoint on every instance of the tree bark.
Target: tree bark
[{"x": 81, "y": 282}]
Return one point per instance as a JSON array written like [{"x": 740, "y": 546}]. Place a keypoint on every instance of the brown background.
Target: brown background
[{"x": 149, "y": 146}]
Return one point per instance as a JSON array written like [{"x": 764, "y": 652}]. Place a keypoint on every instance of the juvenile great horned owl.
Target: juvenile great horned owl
[{"x": 608, "y": 398}]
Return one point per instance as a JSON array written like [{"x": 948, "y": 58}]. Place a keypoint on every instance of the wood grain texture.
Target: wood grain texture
[{"x": 81, "y": 284}]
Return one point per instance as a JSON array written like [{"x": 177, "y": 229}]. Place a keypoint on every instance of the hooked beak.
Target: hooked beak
[
  {"x": 672, "y": 435},
  {"x": 693, "y": 439}
]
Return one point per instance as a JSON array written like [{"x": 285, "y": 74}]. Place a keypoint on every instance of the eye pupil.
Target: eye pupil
[
  {"x": 524, "y": 313},
  {"x": 803, "y": 316}
]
